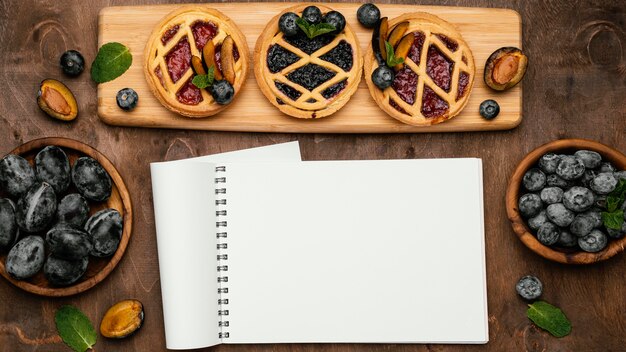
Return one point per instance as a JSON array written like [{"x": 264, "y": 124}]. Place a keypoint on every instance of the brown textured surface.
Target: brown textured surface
[{"x": 575, "y": 88}]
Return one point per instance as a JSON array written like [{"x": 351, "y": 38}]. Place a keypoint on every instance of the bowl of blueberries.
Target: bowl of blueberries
[{"x": 566, "y": 201}]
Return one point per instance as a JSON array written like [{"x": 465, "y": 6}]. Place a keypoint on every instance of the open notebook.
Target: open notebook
[{"x": 277, "y": 250}]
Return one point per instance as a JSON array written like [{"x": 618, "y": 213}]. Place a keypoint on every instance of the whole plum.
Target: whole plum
[
  {"x": 62, "y": 272},
  {"x": 36, "y": 209},
  {"x": 9, "y": 230},
  {"x": 16, "y": 175},
  {"x": 73, "y": 209},
  {"x": 53, "y": 166},
  {"x": 91, "y": 179},
  {"x": 66, "y": 242},
  {"x": 26, "y": 258},
  {"x": 105, "y": 228}
]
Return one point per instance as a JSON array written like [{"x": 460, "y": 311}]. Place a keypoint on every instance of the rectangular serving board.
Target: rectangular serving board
[{"x": 485, "y": 30}]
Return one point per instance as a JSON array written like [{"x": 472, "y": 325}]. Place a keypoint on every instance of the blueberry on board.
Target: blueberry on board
[
  {"x": 582, "y": 225},
  {"x": 26, "y": 258},
  {"x": 91, "y": 180},
  {"x": 383, "y": 77},
  {"x": 53, "y": 166},
  {"x": 570, "y": 168},
  {"x": 36, "y": 209},
  {"x": 9, "y": 230},
  {"x": 606, "y": 167},
  {"x": 548, "y": 233},
  {"x": 336, "y": 19},
  {"x": 312, "y": 14},
  {"x": 593, "y": 242},
  {"x": 529, "y": 205},
  {"x": 551, "y": 195},
  {"x": 287, "y": 24},
  {"x": 127, "y": 99},
  {"x": 603, "y": 183},
  {"x": 536, "y": 221},
  {"x": 578, "y": 199},
  {"x": 558, "y": 214},
  {"x": 590, "y": 159},
  {"x": 73, "y": 209},
  {"x": 72, "y": 63},
  {"x": 105, "y": 228},
  {"x": 16, "y": 175},
  {"x": 566, "y": 239},
  {"x": 595, "y": 216},
  {"x": 222, "y": 91},
  {"x": 529, "y": 287},
  {"x": 368, "y": 15},
  {"x": 62, "y": 272},
  {"x": 553, "y": 180},
  {"x": 489, "y": 109},
  {"x": 67, "y": 242}
]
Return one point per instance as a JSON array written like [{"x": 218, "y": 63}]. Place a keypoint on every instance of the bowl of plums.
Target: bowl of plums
[
  {"x": 566, "y": 201},
  {"x": 65, "y": 217}
]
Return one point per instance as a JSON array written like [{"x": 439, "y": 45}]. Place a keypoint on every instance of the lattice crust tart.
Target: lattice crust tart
[
  {"x": 434, "y": 83},
  {"x": 307, "y": 78},
  {"x": 168, "y": 69}
]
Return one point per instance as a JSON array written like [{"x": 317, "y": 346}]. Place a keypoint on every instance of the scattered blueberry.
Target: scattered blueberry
[
  {"x": 529, "y": 287},
  {"x": 590, "y": 159},
  {"x": 489, "y": 109},
  {"x": 529, "y": 205},
  {"x": 534, "y": 180},
  {"x": 222, "y": 91},
  {"x": 548, "y": 163},
  {"x": 312, "y": 14},
  {"x": 383, "y": 77},
  {"x": 127, "y": 99},
  {"x": 554, "y": 180},
  {"x": 536, "y": 221},
  {"x": 570, "y": 168},
  {"x": 582, "y": 225},
  {"x": 72, "y": 63},
  {"x": 287, "y": 24},
  {"x": 593, "y": 242},
  {"x": 548, "y": 234},
  {"x": 603, "y": 183},
  {"x": 578, "y": 199},
  {"x": 566, "y": 239},
  {"x": 336, "y": 19},
  {"x": 368, "y": 15},
  {"x": 558, "y": 214},
  {"x": 551, "y": 195}
]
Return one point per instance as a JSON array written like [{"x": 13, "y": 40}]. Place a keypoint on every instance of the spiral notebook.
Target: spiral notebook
[{"x": 260, "y": 247}]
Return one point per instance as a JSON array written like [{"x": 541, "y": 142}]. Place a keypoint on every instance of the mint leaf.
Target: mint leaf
[
  {"x": 550, "y": 318},
  {"x": 612, "y": 203},
  {"x": 203, "y": 81},
  {"x": 392, "y": 60},
  {"x": 613, "y": 220},
  {"x": 112, "y": 61},
  {"x": 75, "y": 328},
  {"x": 304, "y": 26},
  {"x": 620, "y": 190},
  {"x": 313, "y": 30}
]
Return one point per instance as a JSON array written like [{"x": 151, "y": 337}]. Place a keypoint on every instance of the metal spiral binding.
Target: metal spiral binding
[{"x": 222, "y": 268}]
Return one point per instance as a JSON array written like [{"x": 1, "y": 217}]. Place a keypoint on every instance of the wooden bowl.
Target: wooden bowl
[
  {"x": 519, "y": 225},
  {"x": 99, "y": 268}
]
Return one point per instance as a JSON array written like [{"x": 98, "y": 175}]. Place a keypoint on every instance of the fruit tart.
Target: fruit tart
[
  {"x": 419, "y": 69},
  {"x": 196, "y": 61},
  {"x": 308, "y": 61}
]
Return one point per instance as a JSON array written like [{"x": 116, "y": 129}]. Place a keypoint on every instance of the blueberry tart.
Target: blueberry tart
[
  {"x": 191, "y": 50},
  {"x": 308, "y": 61},
  {"x": 433, "y": 69}
]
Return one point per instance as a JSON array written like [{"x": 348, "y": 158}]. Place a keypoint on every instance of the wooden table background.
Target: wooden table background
[{"x": 575, "y": 87}]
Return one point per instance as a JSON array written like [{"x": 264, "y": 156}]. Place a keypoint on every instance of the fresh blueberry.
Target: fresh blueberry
[
  {"x": 606, "y": 167},
  {"x": 548, "y": 234},
  {"x": 603, "y": 183},
  {"x": 617, "y": 234},
  {"x": 570, "y": 168},
  {"x": 368, "y": 15},
  {"x": 589, "y": 175},
  {"x": 620, "y": 175},
  {"x": 595, "y": 216},
  {"x": 72, "y": 63},
  {"x": 312, "y": 14},
  {"x": 582, "y": 225},
  {"x": 554, "y": 180},
  {"x": 548, "y": 163},
  {"x": 489, "y": 109},
  {"x": 337, "y": 20},
  {"x": 529, "y": 205},
  {"x": 529, "y": 287},
  {"x": 590, "y": 158},
  {"x": 566, "y": 239},
  {"x": 558, "y": 214},
  {"x": 551, "y": 195},
  {"x": 383, "y": 77},
  {"x": 536, "y": 221},
  {"x": 593, "y": 242},
  {"x": 287, "y": 24},
  {"x": 534, "y": 180},
  {"x": 127, "y": 99},
  {"x": 578, "y": 199},
  {"x": 222, "y": 91}
]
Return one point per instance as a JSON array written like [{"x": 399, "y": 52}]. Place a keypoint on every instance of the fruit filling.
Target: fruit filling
[
  {"x": 432, "y": 104},
  {"x": 309, "y": 46},
  {"x": 450, "y": 44},
  {"x": 218, "y": 55},
  {"x": 279, "y": 58},
  {"x": 335, "y": 89},
  {"x": 310, "y": 76},
  {"x": 341, "y": 56},
  {"x": 292, "y": 93},
  {"x": 415, "y": 53},
  {"x": 463, "y": 83},
  {"x": 158, "y": 73},
  {"x": 169, "y": 34},
  {"x": 439, "y": 68},
  {"x": 396, "y": 106},
  {"x": 203, "y": 32},
  {"x": 178, "y": 60},
  {"x": 405, "y": 84},
  {"x": 189, "y": 94}
]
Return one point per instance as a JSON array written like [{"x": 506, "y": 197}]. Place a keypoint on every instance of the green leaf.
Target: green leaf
[
  {"x": 203, "y": 81},
  {"x": 620, "y": 190},
  {"x": 313, "y": 30},
  {"x": 392, "y": 60},
  {"x": 550, "y": 318},
  {"x": 112, "y": 61},
  {"x": 75, "y": 328},
  {"x": 613, "y": 220},
  {"x": 612, "y": 203}
]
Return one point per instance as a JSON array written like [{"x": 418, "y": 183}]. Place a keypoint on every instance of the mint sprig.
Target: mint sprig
[
  {"x": 75, "y": 328},
  {"x": 392, "y": 60},
  {"x": 313, "y": 30},
  {"x": 613, "y": 218},
  {"x": 204, "y": 81},
  {"x": 549, "y": 318},
  {"x": 112, "y": 60}
]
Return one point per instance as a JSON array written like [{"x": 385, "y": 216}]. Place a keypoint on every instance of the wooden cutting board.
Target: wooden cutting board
[{"x": 485, "y": 30}]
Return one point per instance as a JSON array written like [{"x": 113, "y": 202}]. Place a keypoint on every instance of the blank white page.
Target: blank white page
[{"x": 356, "y": 251}]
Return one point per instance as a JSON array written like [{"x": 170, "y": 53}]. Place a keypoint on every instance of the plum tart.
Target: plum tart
[
  {"x": 308, "y": 61},
  {"x": 190, "y": 42},
  {"x": 419, "y": 69}
]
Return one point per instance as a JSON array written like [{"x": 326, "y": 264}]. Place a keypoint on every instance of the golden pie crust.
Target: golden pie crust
[
  {"x": 155, "y": 52},
  {"x": 430, "y": 25},
  {"x": 301, "y": 108}
]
